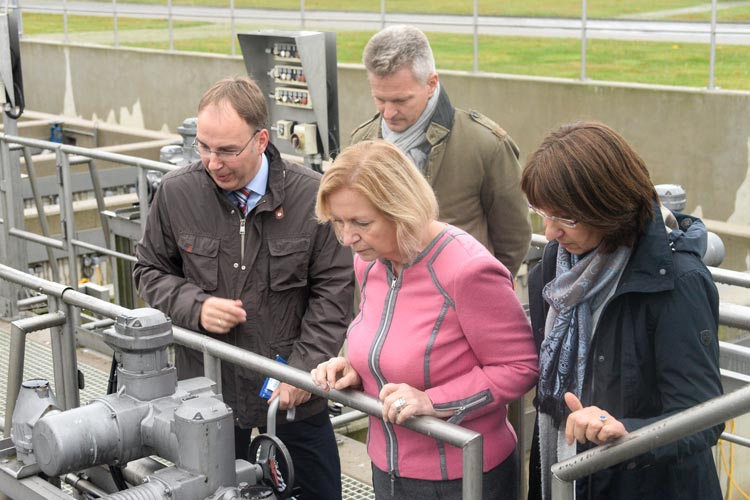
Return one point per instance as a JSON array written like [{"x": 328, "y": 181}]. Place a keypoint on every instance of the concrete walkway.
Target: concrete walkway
[{"x": 611, "y": 29}]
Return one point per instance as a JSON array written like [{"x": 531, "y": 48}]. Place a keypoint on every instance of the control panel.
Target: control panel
[{"x": 296, "y": 70}]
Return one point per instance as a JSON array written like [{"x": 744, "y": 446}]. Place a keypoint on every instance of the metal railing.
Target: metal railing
[
  {"x": 215, "y": 351},
  {"x": 668, "y": 430},
  {"x": 472, "y": 23},
  {"x": 66, "y": 156}
]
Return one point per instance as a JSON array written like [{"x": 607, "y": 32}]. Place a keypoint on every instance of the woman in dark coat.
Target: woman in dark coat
[{"x": 625, "y": 314}]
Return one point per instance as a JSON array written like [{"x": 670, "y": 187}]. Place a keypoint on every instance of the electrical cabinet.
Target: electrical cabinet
[{"x": 296, "y": 70}]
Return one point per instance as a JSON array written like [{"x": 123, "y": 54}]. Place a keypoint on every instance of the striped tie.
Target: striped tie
[{"x": 242, "y": 196}]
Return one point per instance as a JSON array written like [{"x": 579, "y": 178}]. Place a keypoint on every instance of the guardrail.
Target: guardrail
[{"x": 469, "y": 441}]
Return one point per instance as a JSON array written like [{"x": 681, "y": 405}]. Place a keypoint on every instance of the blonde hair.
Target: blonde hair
[{"x": 381, "y": 173}]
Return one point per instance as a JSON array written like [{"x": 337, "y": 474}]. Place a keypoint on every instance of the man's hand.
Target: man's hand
[
  {"x": 289, "y": 396},
  {"x": 221, "y": 315},
  {"x": 590, "y": 423}
]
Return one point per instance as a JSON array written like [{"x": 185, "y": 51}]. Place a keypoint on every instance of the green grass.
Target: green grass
[
  {"x": 532, "y": 8},
  {"x": 43, "y": 24},
  {"x": 735, "y": 14},
  {"x": 640, "y": 62}
]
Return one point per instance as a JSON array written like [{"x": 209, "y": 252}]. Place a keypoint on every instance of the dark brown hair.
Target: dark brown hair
[{"x": 588, "y": 172}]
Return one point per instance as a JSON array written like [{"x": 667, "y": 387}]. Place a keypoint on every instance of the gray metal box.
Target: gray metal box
[{"x": 296, "y": 70}]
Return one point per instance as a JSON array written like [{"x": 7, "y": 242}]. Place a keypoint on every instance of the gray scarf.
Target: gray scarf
[
  {"x": 410, "y": 141},
  {"x": 581, "y": 285}
]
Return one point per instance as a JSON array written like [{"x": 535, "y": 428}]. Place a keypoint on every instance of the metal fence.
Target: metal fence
[{"x": 474, "y": 24}]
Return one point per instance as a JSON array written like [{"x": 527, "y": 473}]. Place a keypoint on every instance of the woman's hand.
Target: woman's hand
[
  {"x": 590, "y": 423},
  {"x": 402, "y": 401},
  {"x": 336, "y": 373}
]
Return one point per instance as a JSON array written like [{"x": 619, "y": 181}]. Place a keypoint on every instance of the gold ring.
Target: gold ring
[{"x": 219, "y": 321}]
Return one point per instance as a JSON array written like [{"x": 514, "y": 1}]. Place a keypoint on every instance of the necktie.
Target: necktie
[{"x": 242, "y": 195}]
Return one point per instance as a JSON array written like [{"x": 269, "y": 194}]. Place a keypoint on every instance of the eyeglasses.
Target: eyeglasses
[
  {"x": 569, "y": 223},
  {"x": 222, "y": 154}
]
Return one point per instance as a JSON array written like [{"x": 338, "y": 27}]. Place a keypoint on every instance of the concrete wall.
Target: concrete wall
[{"x": 692, "y": 137}]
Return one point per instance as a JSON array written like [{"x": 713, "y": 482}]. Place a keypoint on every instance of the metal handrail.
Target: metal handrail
[
  {"x": 469, "y": 441},
  {"x": 724, "y": 276},
  {"x": 663, "y": 432}
]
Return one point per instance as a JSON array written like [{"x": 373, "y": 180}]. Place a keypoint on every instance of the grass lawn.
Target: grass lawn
[
  {"x": 531, "y": 8},
  {"x": 733, "y": 15},
  {"x": 42, "y": 24},
  {"x": 640, "y": 62}
]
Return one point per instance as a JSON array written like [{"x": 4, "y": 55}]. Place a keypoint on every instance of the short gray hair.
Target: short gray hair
[{"x": 396, "y": 47}]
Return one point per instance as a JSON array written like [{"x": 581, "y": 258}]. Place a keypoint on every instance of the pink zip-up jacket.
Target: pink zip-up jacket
[{"x": 450, "y": 324}]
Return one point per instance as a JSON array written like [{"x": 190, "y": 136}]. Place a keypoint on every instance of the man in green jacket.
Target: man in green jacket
[{"x": 470, "y": 162}]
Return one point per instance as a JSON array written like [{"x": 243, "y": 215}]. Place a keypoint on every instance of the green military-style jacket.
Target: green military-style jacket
[{"x": 474, "y": 171}]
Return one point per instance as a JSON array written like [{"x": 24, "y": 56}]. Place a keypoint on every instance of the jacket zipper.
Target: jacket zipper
[
  {"x": 380, "y": 337},
  {"x": 460, "y": 409},
  {"x": 242, "y": 239}
]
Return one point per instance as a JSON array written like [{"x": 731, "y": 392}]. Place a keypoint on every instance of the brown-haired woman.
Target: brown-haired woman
[{"x": 625, "y": 314}]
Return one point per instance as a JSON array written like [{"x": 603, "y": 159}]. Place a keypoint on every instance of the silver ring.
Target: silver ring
[
  {"x": 603, "y": 419},
  {"x": 399, "y": 404}
]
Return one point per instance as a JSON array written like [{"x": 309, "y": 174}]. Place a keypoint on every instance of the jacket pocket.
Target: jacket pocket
[
  {"x": 288, "y": 263},
  {"x": 200, "y": 261}
]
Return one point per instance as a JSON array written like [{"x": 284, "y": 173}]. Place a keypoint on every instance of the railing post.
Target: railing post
[
  {"x": 40, "y": 213},
  {"x": 233, "y": 27},
  {"x": 212, "y": 369},
  {"x": 67, "y": 215},
  {"x": 13, "y": 251},
  {"x": 583, "y": 39},
  {"x": 471, "y": 484},
  {"x": 562, "y": 490},
  {"x": 18, "y": 331},
  {"x": 476, "y": 36},
  {"x": 115, "y": 36},
  {"x": 65, "y": 21},
  {"x": 169, "y": 25},
  {"x": 712, "y": 58},
  {"x": 60, "y": 366}
]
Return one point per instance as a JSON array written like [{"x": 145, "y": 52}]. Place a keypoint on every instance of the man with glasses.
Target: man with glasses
[
  {"x": 232, "y": 249},
  {"x": 470, "y": 162}
]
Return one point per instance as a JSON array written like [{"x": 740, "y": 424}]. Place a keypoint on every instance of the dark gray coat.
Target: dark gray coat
[
  {"x": 295, "y": 280},
  {"x": 655, "y": 352}
]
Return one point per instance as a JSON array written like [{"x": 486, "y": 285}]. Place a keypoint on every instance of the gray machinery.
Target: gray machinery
[
  {"x": 151, "y": 413},
  {"x": 296, "y": 70},
  {"x": 673, "y": 197}
]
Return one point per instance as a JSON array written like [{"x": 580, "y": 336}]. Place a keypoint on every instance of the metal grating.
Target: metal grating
[
  {"x": 38, "y": 364},
  {"x": 355, "y": 490}
]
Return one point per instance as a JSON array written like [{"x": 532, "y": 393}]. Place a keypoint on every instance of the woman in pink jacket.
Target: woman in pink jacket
[{"x": 440, "y": 331}]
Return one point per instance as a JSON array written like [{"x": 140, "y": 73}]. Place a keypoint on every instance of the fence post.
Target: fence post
[
  {"x": 114, "y": 24},
  {"x": 583, "y": 40},
  {"x": 169, "y": 23},
  {"x": 712, "y": 58},
  {"x": 476, "y": 36}
]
